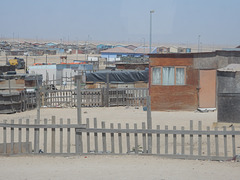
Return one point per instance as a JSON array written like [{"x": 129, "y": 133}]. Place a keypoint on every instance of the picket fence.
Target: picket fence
[
  {"x": 66, "y": 138},
  {"x": 95, "y": 97}
]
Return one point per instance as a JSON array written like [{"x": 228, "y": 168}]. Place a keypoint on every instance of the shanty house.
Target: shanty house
[
  {"x": 115, "y": 54},
  {"x": 56, "y": 72},
  {"x": 186, "y": 81}
]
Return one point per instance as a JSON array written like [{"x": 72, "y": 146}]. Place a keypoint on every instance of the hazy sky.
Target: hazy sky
[{"x": 174, "y": 21}]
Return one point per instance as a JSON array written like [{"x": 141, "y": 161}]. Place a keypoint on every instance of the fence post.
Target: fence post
[
  {"x": 53, "y": 134},
  {"x": 79, "y": 99},
  {"x": 107, "y": 91},
  {"x": 233, "y": 142},
  {"x": 38, "y": 102},
  {"x": 12, "y": 137},
  {"x": 149, "y": 124},
  {"x": 95, "y": 136},
  {"x": 36, "y": 137}
]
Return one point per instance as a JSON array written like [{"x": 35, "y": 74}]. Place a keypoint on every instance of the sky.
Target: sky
[{"x": 173, "y": 21}]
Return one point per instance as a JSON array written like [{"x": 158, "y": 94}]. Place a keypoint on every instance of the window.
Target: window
[
  {"x": 168, "y": 76},
  {"x": 180, "y": 76},
  {"x": 156, "y": 74}
]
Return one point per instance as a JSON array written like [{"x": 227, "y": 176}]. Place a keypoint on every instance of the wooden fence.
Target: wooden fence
[
  {"x": 17, "y": 101},
  {"x": 66, "y": 138},
  {"x": 95, "y": 97}
]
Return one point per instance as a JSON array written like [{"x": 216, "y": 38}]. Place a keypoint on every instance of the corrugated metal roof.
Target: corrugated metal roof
[
  {"x": 231, "y": 68},
  {"x": 144, "y": 50},
  {"x": 118, "y": 50}
]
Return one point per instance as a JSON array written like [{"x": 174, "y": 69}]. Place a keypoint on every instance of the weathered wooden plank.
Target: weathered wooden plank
[
  {"x": 182, "y": 142},
  {"x": 191, "y": 138},
  {"x": 104, "y": 142},
  {"x": 144, "y": 139},
  {"x": 216, "y": 143},
  {"x": 154, "y": 131},
  {"x": 61, "y": 136},
  {"x": 12, "y": 137},
  {"x": 136, "y": 139},
  {"x": 88, "y": 136},
  {"x": 166, "y": 141},
  {"x": 199, "y": 139},
  {"x": 112, "y": 139},
  {"x": 119, "y": 139},
  {"x": 44, "y": 126},
  {"x": 68, "y": 137},
  {"x": 20, "y": 137},
  {"x": 80, "y": 142},
  {"x": 27, "y": 137},
  {"x": 233, "y": 143},
  {"x": 208, "y": 143},
  {"x": 149, "y": 124},
  {"x": 4, "y": 139},
  {"x": 45, "y": 137},
  {"x": 96, "y": 136},
  {"x": 158, "y": 140},
  {"x": 79, "y": 102},
  {"x": 225, "y": 141},
  {"x": 128, "y": 139},
  {"x": 36, "y": 138},
  {"x": 174, "y": 141},
  {"x": 53, "y": 145}
]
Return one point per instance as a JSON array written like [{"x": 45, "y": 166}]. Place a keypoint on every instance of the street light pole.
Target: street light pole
[{"x": 150, "y": 41}]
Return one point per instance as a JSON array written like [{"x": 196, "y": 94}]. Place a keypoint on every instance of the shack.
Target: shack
[
  {"x": 228, "y": 79},
  {"x": 17, "y": 92},
  {"x": 59, "y": 73},
  {"x": 186, "y": 81}
]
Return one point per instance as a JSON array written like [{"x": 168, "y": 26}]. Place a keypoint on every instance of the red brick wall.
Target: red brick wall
[{"x": 175, "y": 97}]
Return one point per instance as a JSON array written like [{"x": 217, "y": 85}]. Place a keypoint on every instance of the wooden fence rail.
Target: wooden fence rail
[
  {"x": 95, "y": 97},
  {"x": 67, "y": 138}
]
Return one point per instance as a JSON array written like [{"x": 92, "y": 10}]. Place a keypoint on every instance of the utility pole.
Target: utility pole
[{"x": 150, "y": 41}]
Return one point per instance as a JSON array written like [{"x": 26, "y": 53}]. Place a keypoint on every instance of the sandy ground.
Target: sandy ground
[
  {"x": 116, "y": 167},
  {"x": 122, "y": 115}
]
